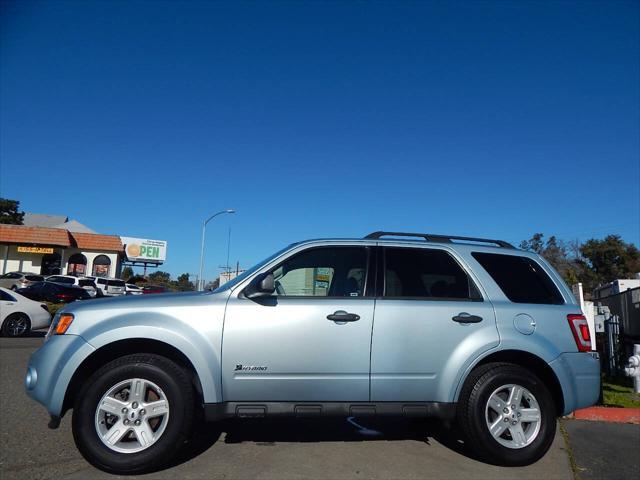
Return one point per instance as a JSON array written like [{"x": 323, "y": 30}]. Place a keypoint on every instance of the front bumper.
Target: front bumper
[
  {"x": 579, "y": 376},
  {"x": 51, "y": 368}
]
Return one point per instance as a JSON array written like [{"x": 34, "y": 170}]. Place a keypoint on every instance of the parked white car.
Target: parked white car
[
  {"x": 109, "y": 287},
  {"x": 87, "y": 283},
  {"x": 132, "y": 289},
  {"x": 19, "y": 315}
]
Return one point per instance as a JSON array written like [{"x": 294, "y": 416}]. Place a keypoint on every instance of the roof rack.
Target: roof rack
[{"x": 439, "y": 238}]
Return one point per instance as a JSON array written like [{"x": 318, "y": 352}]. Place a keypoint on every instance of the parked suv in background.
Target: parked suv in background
[
  {"x": 86, "y": 283},
  {"x": 465, "y": 328},
  {"x": 15, "y": 280},
  {"x": 109, "y": 287}
]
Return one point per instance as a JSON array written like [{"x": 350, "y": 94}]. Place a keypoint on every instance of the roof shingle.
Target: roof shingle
[{"x": 13, "y": 234}]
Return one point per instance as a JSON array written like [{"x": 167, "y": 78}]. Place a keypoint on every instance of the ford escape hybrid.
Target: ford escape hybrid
[{"x": 394, "y": 324}]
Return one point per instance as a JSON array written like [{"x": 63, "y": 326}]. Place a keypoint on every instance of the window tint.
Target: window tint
[
  {"x": 86, "y": 283},
  {"x": 102, "y": 281},
  {"x": 521, "y": 279},
  {"x": 426, "y": 273},
  {"x": 6, "y": 297},
  {"x": 68, "y": 281},
  {"x": 34, "y": 278},
  {"x": 115, "y": 283},
  {"x": 323, "y": 272},
  {"x": 12, "y": 275}
]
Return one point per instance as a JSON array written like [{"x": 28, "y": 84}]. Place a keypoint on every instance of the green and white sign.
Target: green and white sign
[{"x": 144, "y": 250}]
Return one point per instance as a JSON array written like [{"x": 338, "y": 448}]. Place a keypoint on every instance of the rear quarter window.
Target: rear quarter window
[{"x": 521, "y": 279}]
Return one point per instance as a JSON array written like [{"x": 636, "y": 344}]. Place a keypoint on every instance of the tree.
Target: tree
[
  {"x": 10, "y": 213},
  {"x": 160, "y": 278},
  {"x": 183, "y": 284},
  {"x": 611, "y": 258},
  {"x": 556, "y": 253},
  {"x": 127, "y": 273}
]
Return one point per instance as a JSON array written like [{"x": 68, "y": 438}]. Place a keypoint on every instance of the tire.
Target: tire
[
  {"x": 165, "y": 432},
  {"x": 16, "y": 325},
  {"x": 483, "y": 403}
]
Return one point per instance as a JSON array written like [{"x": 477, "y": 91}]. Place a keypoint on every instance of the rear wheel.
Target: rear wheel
[
  {"x": 134, "y": 414},
  {"x": 507, "y": 414},
  {"x": 16, "y": 325}
]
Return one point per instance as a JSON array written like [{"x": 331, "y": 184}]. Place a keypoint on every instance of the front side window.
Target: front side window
[
  {"x": 426, "y": 273},
  {"x": 521, "y": 279},
  {"x": 323, "y": 272}
]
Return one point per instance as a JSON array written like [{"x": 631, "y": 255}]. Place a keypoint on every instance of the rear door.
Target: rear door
[{"x": 430, "y": 319}]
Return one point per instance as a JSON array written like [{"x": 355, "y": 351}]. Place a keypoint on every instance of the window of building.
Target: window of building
[
  {"x": 101, "y": 266},
  {"x": 77, "y": 265},
  {"x": 323, "y": 272},
  {"x": 51, "y": 263},
  {"x": 521, "y": 279},
  {"x": 426, "y": 273}
]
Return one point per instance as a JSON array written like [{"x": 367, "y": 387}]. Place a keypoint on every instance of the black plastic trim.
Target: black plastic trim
[
  {"x": 430, "y": 237},
  {"x": 219, "y": 411}
]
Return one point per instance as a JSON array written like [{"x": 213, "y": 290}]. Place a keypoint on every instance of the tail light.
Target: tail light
[
  {"x": 580, "y": 330},
  {"x": 64, "y": 296}
]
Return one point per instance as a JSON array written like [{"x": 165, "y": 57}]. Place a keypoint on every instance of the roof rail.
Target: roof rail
[{"x": 439, "y": 238}]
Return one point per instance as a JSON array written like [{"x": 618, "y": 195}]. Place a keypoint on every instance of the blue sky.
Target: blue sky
[{"x": 316, "y": 119}]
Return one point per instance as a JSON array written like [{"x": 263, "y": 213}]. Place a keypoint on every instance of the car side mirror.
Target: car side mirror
[{"x": 263, "y": 285}]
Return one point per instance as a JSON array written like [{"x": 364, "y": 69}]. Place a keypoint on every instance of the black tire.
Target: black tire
[
  {"x": 176, "y": 385},
  {"x": 482, "y": 382},
  {"x": 9, "y": 325}
]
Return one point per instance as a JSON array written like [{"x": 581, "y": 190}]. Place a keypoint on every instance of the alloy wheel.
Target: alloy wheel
[
  {"x": 132, "y": 415},
  {"x": 513, "y": 416}
]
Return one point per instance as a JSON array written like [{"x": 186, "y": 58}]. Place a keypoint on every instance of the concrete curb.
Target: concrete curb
[{"x": 608, "y": 414}]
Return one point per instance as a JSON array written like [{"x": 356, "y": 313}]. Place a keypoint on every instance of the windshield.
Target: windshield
[{"x": 233, "y": 282}]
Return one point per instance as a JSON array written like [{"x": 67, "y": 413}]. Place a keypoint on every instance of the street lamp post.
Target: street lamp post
[{"x": 204, "y": 226}]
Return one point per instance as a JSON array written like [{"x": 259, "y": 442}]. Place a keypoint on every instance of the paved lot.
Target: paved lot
[
  {"x": 253, "y": 449},
  {"x": 603, "y": 450}
]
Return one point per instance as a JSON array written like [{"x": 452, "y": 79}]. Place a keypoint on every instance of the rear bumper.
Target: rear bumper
[
  {"x": 579, "y": 376},
  {"x": 51, "y": 368}
]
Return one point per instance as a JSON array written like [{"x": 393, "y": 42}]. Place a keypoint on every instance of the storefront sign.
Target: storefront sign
[
  {"x": 144, "y": 250},
  {"x": 35, "y": 250}
]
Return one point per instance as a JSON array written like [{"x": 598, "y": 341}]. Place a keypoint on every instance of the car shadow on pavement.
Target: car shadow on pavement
[{"x": 271, "y": 431}]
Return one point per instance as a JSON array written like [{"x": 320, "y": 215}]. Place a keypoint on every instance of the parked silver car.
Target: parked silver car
[
  {"x": 16, "y": 280},
  {"x": 457, "y": 328}
]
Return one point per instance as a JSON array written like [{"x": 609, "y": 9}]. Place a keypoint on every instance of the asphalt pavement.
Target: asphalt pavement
[{"x": 261, "y": 449}]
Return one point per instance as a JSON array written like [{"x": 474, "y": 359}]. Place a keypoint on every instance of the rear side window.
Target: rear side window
[
  {"x": 521, "y": 279},
  {"x": 426, "y": 273},
  {"x": 6, "y": 297}
]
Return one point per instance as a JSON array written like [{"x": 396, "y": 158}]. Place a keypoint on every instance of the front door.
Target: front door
[
  {"x": 311, "y": 340},
  {"x": 429, "y": 321}
]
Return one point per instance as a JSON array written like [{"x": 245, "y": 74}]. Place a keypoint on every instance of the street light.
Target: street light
[{"x": 204, "y": 226}]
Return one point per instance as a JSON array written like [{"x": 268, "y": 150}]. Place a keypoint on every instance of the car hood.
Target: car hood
[{"x": 146, "y": 302}]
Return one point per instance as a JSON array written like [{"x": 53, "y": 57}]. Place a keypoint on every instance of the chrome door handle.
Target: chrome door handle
[
  {"x": 342, "y": 316},
  {"x": 465, "y": 317}
]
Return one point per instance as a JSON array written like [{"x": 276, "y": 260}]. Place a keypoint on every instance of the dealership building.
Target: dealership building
[{"x": 54, "y": 245}]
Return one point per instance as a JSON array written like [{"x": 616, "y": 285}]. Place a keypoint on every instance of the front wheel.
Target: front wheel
[
  {"x": 133, "y": 414},
  {"x": 507, "y": 414},
  {"x": 16, "y": 325}
]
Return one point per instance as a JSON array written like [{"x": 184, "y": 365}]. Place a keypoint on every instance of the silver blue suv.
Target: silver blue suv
[{"x": 395, "y": 324}]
